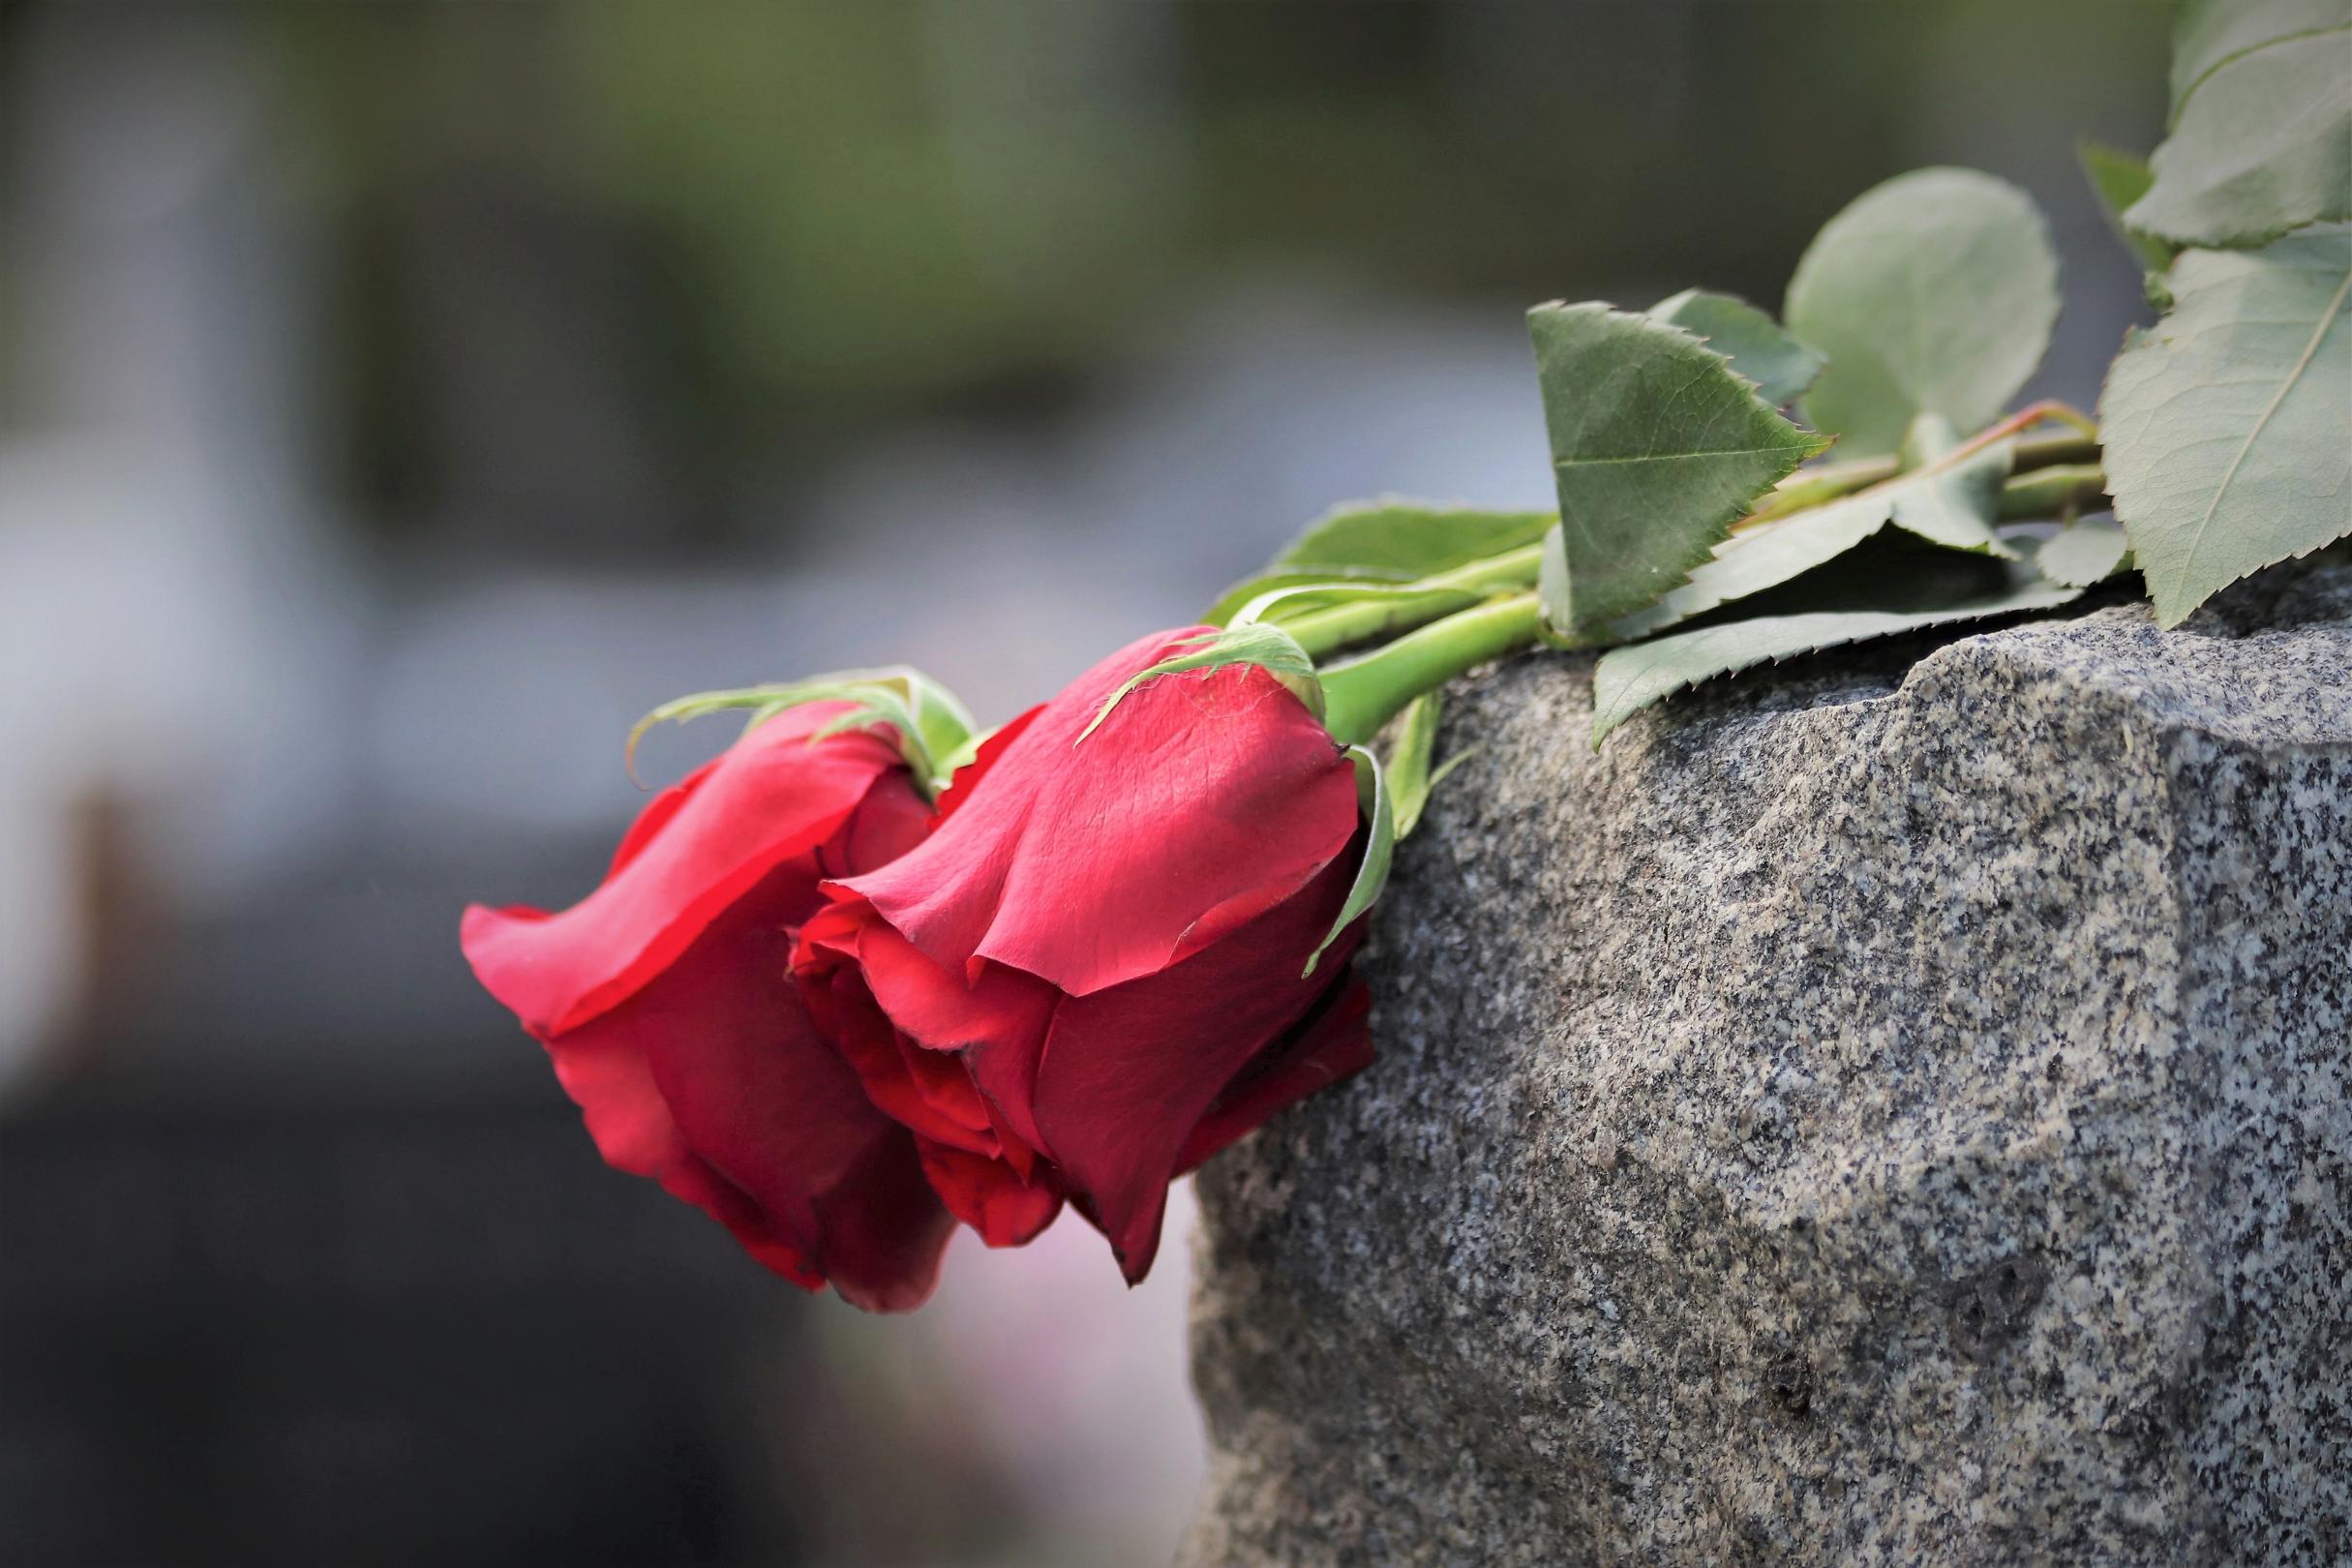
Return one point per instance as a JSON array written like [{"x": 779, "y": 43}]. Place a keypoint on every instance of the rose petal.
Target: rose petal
[
  {"x": 657, "y": 816},
  {"x": 862, "y": 1033},
  {"x": 1206, "y": 798},
  {"x": 887, "y": 822},
  {"x": 885, "y": 1230},
  {"x": 948, "y": 1089},
  {"x": 988, "y": 1195},
  {"x": 770, "y": 1131},
  {"x": 996, "y": 1024},
  {"x": 1130, "y": 1073},
  {"x": 939, "y": 1007},
  {"x": 605, "y": 1074},
  {"x": 708, "y": 843},
  {"x": 690, "y": 1181},
  {"x": 959, "y": 788},
  {"x": 1331, "y": 1043}
]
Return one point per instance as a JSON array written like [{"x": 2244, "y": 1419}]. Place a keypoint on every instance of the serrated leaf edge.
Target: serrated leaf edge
[
  {"x": 1811, "y": 444},
  {"x": 2018, "y": 602},
  {"x": 2327, "y": 324}
]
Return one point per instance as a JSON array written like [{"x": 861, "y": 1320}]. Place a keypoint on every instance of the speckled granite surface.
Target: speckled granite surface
[{"x": 1880, "y": 1113}]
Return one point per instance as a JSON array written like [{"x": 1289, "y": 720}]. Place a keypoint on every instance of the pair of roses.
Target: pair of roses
[{"x": 840, "y": 1017}]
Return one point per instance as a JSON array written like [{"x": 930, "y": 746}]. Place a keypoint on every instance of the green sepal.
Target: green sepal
[
  {"x": 1411, "y": 780},
  {"x": 1280, "y": 604},
  {"x": 925, "y": 716},
  {"x": 945, "y": 723},
  {"x": 1390, "y": 540},
  {"x": 963, "y": 756},
  {"x": 1379, "y": 847},
  {"x": 1231, "y": 601},
  {"x": 878, "y": 706},
  {"x": 1270, "y": 648}
]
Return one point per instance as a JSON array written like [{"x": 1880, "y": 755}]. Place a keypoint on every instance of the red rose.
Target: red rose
[
  {"x": 663, "y": 1000},
  {"x": 1090, "y": 976}
]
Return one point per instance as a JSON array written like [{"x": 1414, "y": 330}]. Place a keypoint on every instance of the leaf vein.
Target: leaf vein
[{"x": 2326, "y": 322}]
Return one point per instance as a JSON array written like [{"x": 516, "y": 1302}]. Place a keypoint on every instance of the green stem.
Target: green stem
[
  {"x": 1327, "y": 631},
  {"x": 1833, "y": 481},
  {"x": 1810, "y": 487},
  {"x": 1439, "y": 597},
  {"x": 1364, "y": 694},
  {"x": 2085, "y": 428},
  {"x": 2061, "y": 490},
  {"x": 2048, "y": 451},
  {"x": 2055, "y": 410}
]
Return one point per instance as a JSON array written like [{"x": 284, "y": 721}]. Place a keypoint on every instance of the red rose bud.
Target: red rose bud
[
  {"x": 665, "y": 1002},
  {"x": 1090, "y": 976}
]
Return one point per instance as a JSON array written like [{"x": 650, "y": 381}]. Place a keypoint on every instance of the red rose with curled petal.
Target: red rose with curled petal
[
  {"x": 1105, "y": 940},
  {"x": 665, "y": 1002}
]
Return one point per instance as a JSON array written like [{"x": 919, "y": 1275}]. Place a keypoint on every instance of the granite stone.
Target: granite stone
[{"x": 1895, "y": 1108}]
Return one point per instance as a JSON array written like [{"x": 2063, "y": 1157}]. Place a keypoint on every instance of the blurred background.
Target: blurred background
[{"x": 397, "y": 400}]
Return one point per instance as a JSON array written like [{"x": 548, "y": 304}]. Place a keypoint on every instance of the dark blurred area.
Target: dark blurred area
[{"x": 397, "y": 400}]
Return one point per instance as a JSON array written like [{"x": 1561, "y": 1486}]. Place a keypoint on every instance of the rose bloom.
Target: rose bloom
[
  {"x": 665, "y": 1002},
  {"x": 1090, "y": 976}
]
